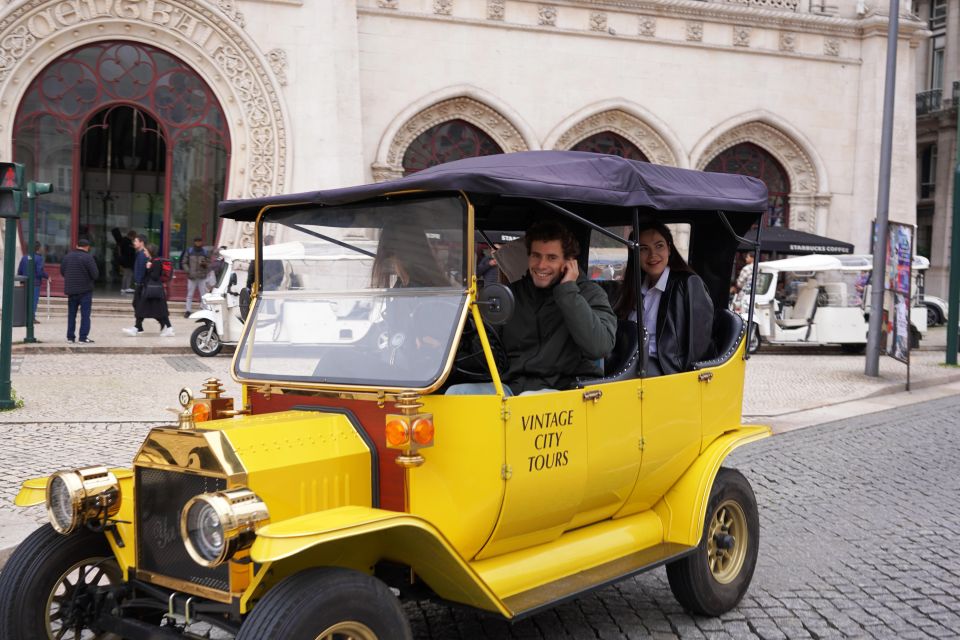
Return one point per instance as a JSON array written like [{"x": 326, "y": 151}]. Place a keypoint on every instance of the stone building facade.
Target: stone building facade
[{"x": 144, "y": 113}]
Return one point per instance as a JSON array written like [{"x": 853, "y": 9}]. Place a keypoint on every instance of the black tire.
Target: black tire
[
  {"x": 205, "y": 341},
  {"x": 712, "y": 580},
  {"x": 753, "y": 339},
  {"x": 33, "y": 593},
  {"x": 317, "y": 602},
  {"x": 933, "y": 317},
  {"x": 914, "y": 337},
  {"x": 854, "y": 348}
]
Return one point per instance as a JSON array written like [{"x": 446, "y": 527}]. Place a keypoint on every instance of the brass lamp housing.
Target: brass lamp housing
[
  {"x": 240, "y": 512},
  {"x": 93, "y": 492}
]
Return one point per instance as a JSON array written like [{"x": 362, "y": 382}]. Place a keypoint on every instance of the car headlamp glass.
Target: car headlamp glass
[
  {"x": 216, "y": 526},
  {"x": 78, "y": 496}
]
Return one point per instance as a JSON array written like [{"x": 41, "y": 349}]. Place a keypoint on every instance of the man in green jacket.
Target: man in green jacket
[{"x": 563, "y": 325}]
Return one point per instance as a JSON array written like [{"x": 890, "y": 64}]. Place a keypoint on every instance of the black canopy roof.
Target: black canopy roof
[
  {"x": 792, "y": 241},
  {"x": 559, "y": 176}
]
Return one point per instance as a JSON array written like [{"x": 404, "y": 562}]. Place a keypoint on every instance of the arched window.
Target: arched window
[
  {"x": 451, "y": 140},
  {"x": 132, "y": 138},
  {"x": 610, "y": 143},
  {"x": 748, "y": 159}
]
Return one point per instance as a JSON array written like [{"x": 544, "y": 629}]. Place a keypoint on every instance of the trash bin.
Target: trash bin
[{"x": 19, "y": 301}]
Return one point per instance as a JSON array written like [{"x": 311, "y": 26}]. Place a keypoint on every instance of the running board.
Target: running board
[{"x": 549, "y": 595}]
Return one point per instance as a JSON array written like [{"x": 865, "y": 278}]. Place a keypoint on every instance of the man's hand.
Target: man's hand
[{"x": 571, "y": 270}]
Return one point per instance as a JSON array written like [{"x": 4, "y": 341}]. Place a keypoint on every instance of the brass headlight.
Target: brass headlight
[
  {"x": 74, "y": 497},
  {"x": 215, "y": 526}
]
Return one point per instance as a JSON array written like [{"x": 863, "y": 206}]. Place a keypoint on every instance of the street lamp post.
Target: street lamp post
[
  {"x": 953, "y": 291},
  {"x": 34, "y": 189}
]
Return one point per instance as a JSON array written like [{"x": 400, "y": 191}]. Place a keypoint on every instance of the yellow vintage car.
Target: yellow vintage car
[{"x": 346, "y": 481}]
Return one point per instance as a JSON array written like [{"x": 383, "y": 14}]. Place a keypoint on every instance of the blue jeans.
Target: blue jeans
[{"x": 83, "y": 301}]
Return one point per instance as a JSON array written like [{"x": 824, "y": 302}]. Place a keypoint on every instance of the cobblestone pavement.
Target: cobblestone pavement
[{"x": 858, "y": 522}]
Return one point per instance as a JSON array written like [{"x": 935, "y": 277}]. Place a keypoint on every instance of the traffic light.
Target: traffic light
[{"x": 11, "y": 189}]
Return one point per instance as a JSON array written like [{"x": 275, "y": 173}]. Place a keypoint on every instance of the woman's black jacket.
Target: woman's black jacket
[{"x": 684, "y": 323}]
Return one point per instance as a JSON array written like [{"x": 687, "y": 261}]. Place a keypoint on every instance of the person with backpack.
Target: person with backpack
[
  {"x": 150, "y": 301},
  {"x": 195, "y": 261}
]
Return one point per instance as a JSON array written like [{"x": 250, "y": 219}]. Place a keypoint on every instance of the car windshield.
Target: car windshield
[{"x": 366, "y": 294}]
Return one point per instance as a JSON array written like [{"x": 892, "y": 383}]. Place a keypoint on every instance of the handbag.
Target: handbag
[{"x": 153, "y": 291}]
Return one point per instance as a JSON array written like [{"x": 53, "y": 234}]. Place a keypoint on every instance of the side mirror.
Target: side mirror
[{"x": 496, "y": 304}]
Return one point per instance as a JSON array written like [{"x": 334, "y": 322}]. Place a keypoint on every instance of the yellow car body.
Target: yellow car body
[{"x": 515, "y": 504}]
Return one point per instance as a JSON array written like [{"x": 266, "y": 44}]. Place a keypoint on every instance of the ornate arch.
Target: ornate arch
[
  {"x": 807, "y": 203},
  {"x": 207, "y": 35},
  {"x": 477, "y": 113},
  {"x": 625, "y": 124}
]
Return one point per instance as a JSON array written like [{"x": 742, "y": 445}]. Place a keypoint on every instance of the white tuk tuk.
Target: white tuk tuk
[{"x": 820, "y": 299}]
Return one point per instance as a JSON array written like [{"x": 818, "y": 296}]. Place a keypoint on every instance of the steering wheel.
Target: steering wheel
[{"x": 470, "y": 363}]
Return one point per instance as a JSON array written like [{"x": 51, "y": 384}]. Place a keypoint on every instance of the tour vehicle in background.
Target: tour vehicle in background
[
  {"x": 345, "y": 482},
  {"x": 821, "y": 299}
]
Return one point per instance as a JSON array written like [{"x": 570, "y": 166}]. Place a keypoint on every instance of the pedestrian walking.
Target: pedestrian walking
[
  {"x": 79, "y": 271},
  {"x": 195, "y": 261},
  {"x": 741, "y": 288},
  {"x": 39, "y": 274},
  {"x": 150, "y": 300},
  {"x": 215, "y": 269}
]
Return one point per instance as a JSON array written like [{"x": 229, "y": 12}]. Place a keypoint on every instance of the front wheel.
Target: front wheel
[
  {"x": 47, "y": 587},
  {"x": 205, "y": 341},
  {"x": 753, "y": 339},
  {"x": 933, "y": 317},
  {"x": 712, "y": 580},
  {"x": 327, "y": 603}
]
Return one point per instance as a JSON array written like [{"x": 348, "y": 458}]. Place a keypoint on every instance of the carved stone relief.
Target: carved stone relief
[
  {"x": 548, "y": 16},
  {"x": 741, "y": 36},
  {"x": 647, "y": 26},
  {"x": 622, "y": 123},
  {"x": 463, "y": 108},
  {"x": 496, "y": 9},
  {"x": 388, "y": 4},
  {"x": 799, "y": 168},
  {"x": 788, "y": 41},
  {"x": 598, "y": 21},
  {"x": 443, "y": 7},
  {"x": 695, "y": 31},
  {"x": 220, "y": 52},
  {"x": 278, "y": 62},
  {"x": 831, "y": 47}
]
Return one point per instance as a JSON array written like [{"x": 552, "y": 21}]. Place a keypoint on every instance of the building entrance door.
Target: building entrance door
[{"x": 122, "y": 163}]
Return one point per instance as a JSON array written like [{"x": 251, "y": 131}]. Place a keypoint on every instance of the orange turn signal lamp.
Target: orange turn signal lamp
[{"x": 409, "y": 432}]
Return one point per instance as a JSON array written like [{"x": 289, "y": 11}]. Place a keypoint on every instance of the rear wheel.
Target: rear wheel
[
  {"x": 712, "y": 580},
  {"x": 318, "y": 604},
  {"x": 853, "y": 347},
  {"x": 205, "y": 341},
  {"x": 47, "y": 587},
  {"x": 933, "y": 317}
]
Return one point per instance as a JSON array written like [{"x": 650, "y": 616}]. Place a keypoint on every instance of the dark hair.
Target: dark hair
[
  {"x": 627, "y": 299},
  {"x": 83, "y": 242},
  {"x": 153, "y": 250},
  {"x": 142, "y": 238},
  {"x": 131, "y": 234},
  {"x": 548, "y": 230},
  {"x": 198, "y": 239},
  {"x": 408, "y": 246}
]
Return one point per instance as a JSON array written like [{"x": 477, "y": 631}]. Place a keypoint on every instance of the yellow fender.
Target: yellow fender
[
  {"x": 358, "y": 537},
  {"x": 684, "y": 506}
]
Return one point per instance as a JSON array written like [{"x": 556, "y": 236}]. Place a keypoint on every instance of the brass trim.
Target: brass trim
[
  {"x": 185, "y": 586},
  {"x": 706, "y": 376},
  {"x": 92, "y": 492},
  {"x": 201, "y": 451},
  {"x": 240, "y": 512}
]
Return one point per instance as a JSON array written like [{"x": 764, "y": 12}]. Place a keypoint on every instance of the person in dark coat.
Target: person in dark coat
[
  {"x": 148, "y": 306},
  {"x": 125, "y": 255},
  {"x": 677, "y": 309},
  {"x": 39, "y": 275},
  {"x": 79, "y": 271}
]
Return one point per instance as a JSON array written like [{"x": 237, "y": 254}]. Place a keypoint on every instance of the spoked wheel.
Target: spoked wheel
[
  {"x": 205, "y": 341},
  {"x": 327, "y": 604},
  {"x": 753, "y": 339},
  {"x": 48, "y": 587},
  {"x": 712, "y": 580}
]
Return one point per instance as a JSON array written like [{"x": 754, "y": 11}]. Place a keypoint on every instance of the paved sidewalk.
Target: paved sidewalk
[{"x": 87, "y": 404}]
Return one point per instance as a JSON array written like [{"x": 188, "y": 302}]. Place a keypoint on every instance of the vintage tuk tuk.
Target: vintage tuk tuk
[
  {"x": 347, "y": 482},
  {"x": 820, "y": 299}
]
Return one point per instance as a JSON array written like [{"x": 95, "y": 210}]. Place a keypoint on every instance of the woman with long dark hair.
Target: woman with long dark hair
[{"x": 677, "y": 311}]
